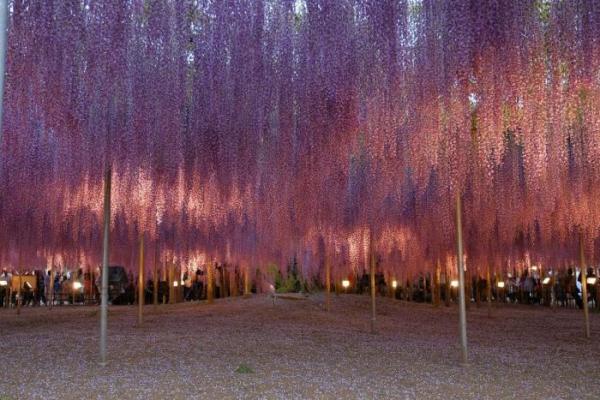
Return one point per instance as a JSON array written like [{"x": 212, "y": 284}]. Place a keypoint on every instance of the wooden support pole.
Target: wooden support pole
[
  {"x": 141, "y": 282},
  {"x": 327, "y": 283},
  {"x": 247, "y": 288},
  {"x": 437, "y": 295},
  {"x": 171, "y": 268},
  {"x": 373, "y": 287},
  {"x": 105, "y": 261},
  {"x": 155, "y": 279},
  {"x": 488, "y": 287},
  {"x": 462, "y": 310},
  {"x": 584, "y": 296},
  {"x": 210, "y": 283},
  {"x": 164, "y": 279}
]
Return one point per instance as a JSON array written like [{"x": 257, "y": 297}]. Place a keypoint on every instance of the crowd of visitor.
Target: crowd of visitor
[{"x": 42, "y": 288}]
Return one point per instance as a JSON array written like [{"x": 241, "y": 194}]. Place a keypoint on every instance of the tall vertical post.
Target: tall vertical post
[
  {"x": 141, "y": 282},
  {"x": 247, "y": 281},
  {"x": 155, "y": 279},
  {"x": 51, "y": 288},
  {"x": 170, "y": 266},
  {"x": 373, "y": 289},
  {"x": 20, "y": 271},
  {"x": 327, "y": 283},
  {"x": 210, "y": 283},
  {"x": 105, "y": 261},
  {"x": 462, "y": 311},
  {"x": 488, "y": 280},
  {"x": 584, "y": 296}
]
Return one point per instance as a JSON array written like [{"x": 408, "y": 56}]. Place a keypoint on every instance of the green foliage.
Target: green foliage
[{"x": 242, "y": 369}]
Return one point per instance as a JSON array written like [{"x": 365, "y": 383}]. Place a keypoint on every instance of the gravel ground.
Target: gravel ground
[{"x": 295, "y": 349}]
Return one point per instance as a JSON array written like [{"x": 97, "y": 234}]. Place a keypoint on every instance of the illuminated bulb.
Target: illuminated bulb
[
  {"x": 591, "y": 280},
  {"x": 175, "y": 284},
  {"x": 345, "y": 283},
  {"x": 500, "y": 284},
  {"x": 3, "y": 283},
  {"x": 546, "y": 280},
  {"x": 454, "y": 283},
  {"x": 77, "y": 285},
  {"x": 394, "y": 284},
  {"x": 534, "y": 268}
]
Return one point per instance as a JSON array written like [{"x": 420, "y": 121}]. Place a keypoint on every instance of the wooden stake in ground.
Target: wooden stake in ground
[
  {"x": 210, "y": 283},
  {"x": 247, "y": 281},
  {"x": 584, "y": 297},
  {"x": 327, "y": 283},
  {"x": 437, "y": 293},
  {"x": 488, "y": 287},
  {"x": 105, "y": 261},
  {"x": 373, "y": 288},
  {"x": 462, "y": 310},
  {"x": 141, "y": 282},
  {"x": 171, "y": 267},
  {"x": 20, "y": 281},
  {"x": 155, "y": 279}
]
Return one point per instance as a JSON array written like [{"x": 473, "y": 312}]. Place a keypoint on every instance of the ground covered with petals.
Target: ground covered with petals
[{"x": 252, "y": 348}]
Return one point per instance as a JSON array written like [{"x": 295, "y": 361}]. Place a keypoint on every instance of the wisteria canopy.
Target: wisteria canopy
[{"x": 250, "y": 131}]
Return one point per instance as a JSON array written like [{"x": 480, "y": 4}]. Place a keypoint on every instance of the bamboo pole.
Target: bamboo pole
[
  {"x": 247, "y": 281},
  {"x": 462, "y": 311},
  {"x": 141, "y": 282},
  {"x": 488, "y": 287},
  {"x": 327, "y": 283},
  {"x": 164, "y": 279},
  {"x": 210, "y": 283},
  {"x": 437, "y": 288},
  {"x": 51, "y": 291},
  {"x": 584, "y": 297},
  {"x": 373, "y": 288},
  {"x": 170, "y": 267},
  {"x": 155, "y": 279},
  {"x": 105, "y": 261}
]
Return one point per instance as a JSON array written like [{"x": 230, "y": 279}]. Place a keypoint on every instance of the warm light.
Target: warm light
[
  {"x": 501, "y": 284},
  {"x": 546, "y": 280},
  {"x": 3, "y": 283},
  {"x": 534, "y": 268},
  {"x": 454, "y": 283},
  {"x": 175, "y": 284},
  {"x": 394, "y": 284},
  {"x": 77, "y": 285},
  {"x": 591, "y": 280},
  {"x": 182, "y": 282},
  {"x": 345, "y": 283}
]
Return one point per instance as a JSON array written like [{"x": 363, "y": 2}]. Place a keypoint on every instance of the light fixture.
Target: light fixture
[
  {"x": 501, "y": 285},
  {"x": 346, "y": 283},
  {"x": 175, "y": 284},
  {"x": 454, "y": 283},
  {"x": 394, "y": 284},
  {"x": 534, "y": 268},
  {"x": 546, "y": 280},
  {"x": 591, "y": 280},
  {"x": 77, "y": 285},
  {"x": 3, "y": 283}
]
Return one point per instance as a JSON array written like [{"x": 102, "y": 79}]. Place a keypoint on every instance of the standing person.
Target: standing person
[{"x": 4, "y": 288}]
